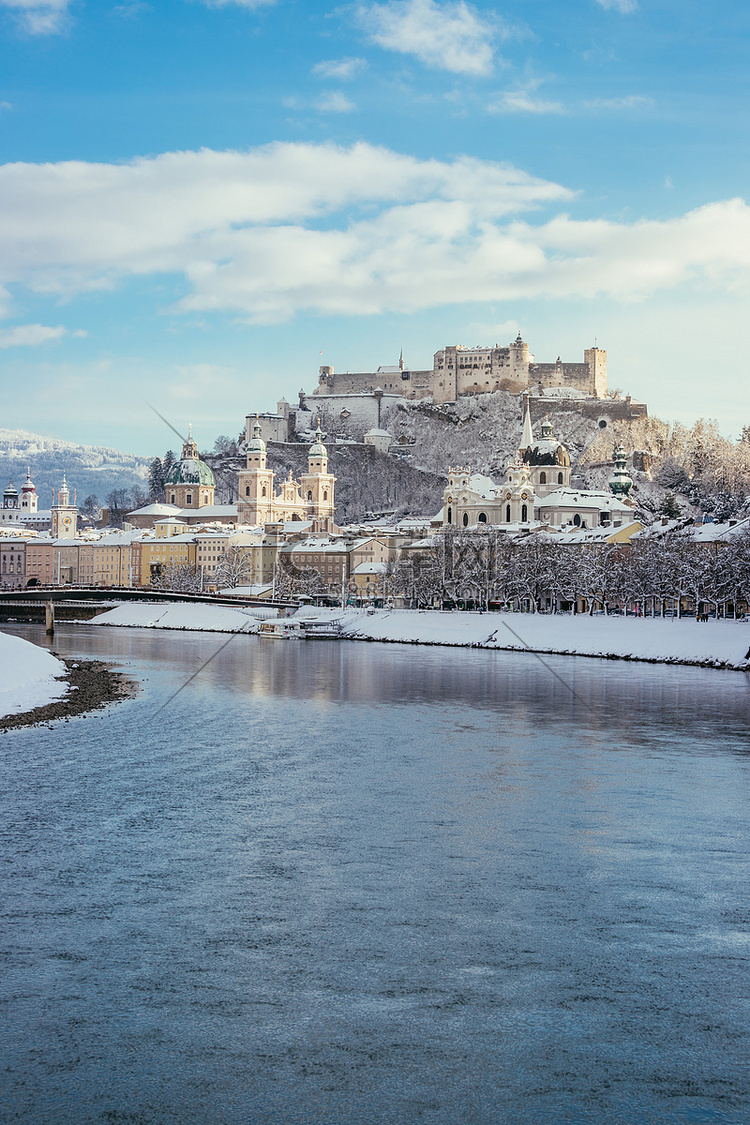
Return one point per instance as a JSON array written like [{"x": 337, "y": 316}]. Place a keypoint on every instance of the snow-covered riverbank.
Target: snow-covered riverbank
[
  {"x": 723, "y": 644},
  {"x": 29, "y": 676},
  {"x": 180, "y": 615},
  {"x": 672, "y": 641}
]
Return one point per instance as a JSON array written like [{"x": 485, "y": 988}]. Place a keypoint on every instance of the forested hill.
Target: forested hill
[{"x": 91, "y": 470}]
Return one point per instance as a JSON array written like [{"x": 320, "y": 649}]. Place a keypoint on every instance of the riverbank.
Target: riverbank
[
  {"x": 712, "y": 644},
  {"x": 38, "y": 687},
  {"x": 717, "y": 644}
]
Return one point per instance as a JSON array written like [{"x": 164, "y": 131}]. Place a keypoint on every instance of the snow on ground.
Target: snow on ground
[
  {"x": 28, "y": 676},
  {"x": 684, "y": 641},
  {"x": 199, "y": 616}
]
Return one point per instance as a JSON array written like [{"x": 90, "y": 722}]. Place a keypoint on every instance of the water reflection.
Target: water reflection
[{"x": 341, "y": 882}]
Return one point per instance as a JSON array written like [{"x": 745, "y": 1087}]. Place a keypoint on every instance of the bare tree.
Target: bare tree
[
  {"x": 179, "y": 577},
  {"x": 234, "y": 568}
]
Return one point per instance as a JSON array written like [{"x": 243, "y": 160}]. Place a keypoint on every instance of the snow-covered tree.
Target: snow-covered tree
[
  {"x": 234, "y": 568},
  {"x": 178, "y": 577}
]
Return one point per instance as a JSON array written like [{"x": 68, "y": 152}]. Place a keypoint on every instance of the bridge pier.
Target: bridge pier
[{"x": 49, "y": 618}]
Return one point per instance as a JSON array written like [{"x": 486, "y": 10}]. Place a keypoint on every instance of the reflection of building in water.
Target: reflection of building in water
[{"x": 536, "y": 491}]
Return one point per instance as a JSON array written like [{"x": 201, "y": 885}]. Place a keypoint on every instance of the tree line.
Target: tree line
[{"x": 656, "y": 573}]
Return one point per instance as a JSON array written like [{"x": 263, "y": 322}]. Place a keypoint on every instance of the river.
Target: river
[{"x": 341, "y": 883}]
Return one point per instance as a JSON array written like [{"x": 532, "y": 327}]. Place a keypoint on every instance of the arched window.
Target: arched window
[
  {"x": 577, "y": 520},
  {"x": 263, "y": 493},
  {"x": 309, "y": 495},
  {"x": 542, "y": 478},
  {"x": 483, "y": 517},
  {"x": 507, "y": 513},
  {"x": 466, "y": 519},
  {"x": 325, "y": 495},
  {"x": 450, "y": 515},
  {"x": 247, "y": 490},
  {"x": 524, "y": 513},
  {"x": 559, "y": 478}
]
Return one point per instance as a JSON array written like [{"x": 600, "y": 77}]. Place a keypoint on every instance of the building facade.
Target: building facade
[{"x": 309, "y": 499}]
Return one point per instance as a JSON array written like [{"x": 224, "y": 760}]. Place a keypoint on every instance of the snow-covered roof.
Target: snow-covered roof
[
  {"x": 208, "y": 511},
  {"x": 593, "y": 534},
  {"x": 155, "y": 510},
  {"x": 582, "y": 498},
  {"x": 370, "y": 568}
]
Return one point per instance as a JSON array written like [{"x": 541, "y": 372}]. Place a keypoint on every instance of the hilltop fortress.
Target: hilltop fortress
[{"x": 458, "y": 370}]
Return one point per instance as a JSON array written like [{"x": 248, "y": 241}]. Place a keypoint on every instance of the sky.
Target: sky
[{"x": 201, "y": 202}]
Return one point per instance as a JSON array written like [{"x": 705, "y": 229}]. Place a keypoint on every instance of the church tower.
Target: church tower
[
  {"x": 64, "y": 515},
  {"x": 256, "y": 500},
  {"x": 29, "y": 499},
  {"x": 517, "y": 494},
  {"x": 317, "y": 484}
]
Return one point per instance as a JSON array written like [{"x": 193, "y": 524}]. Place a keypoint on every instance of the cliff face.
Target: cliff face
[{"x": 368, "y": 483}]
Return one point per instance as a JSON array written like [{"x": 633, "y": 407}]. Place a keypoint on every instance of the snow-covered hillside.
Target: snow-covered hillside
[{"x": 90, "y": 469}]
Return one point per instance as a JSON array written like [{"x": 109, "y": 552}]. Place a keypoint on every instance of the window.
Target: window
[
  {"x": 466, "y": 519},
  {"x": 542, "y": 478},
  {"x": 450, "y": 516},
  {"x": 507, "y": 513},
  {"x": 524, "y": 513},
  {"x": 482, "y": 517},
  {"x": 247, "y": 490},
  {"x": 559, "y": 478},
  {"x": 309, "y": 495},
  {"x": 325, "y": 495},
  {"x": 189, "y": 498}
]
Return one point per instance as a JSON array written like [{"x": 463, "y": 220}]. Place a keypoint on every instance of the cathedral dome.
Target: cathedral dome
[
  {"x": 547, "y": 450},
  {"x": 190, "y": 469},
  {"x": 10, "y": 492}
]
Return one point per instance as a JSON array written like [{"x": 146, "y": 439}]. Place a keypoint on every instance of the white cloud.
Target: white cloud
[
  {"x": 39, "y": 17},
  {"x": 523, "y": 101},
  {"x": 29, "y": 335},
  {"x": 5, "y": 106},
  {"x": 334, "y": 102},
  {"x": 341, "y": 70},
  {"x": 322, "y": 229},
  {"x": 632, "y": 101},
  {"x": 623, "y": 6},
  {"x": 448, "y": 36}
]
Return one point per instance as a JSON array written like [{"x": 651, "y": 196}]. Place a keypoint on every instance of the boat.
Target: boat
[{"x": 278, "y": 630}]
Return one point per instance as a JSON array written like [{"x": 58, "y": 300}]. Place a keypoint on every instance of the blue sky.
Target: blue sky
[{"x": 198, "y": 199}]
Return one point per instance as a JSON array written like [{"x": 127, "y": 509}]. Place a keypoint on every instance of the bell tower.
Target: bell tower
[
  {"x": 255, "y": 484},
  {"x": 64, "y": 515},
  {"x": 317, "y": 486}
]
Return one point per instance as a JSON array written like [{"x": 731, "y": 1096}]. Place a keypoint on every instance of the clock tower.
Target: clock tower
[{"x": 64, "y": 515}]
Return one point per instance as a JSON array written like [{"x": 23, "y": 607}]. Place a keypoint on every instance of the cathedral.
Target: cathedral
[
  {"x": 309, "y": 499},
  {"x": 536, "y": 491}
]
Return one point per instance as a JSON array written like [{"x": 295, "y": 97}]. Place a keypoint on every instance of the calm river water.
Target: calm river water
[{"x": 340, "y": 882}]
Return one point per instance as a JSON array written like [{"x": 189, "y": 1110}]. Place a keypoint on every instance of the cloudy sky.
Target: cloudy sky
[{"x": 203, "y": 200}]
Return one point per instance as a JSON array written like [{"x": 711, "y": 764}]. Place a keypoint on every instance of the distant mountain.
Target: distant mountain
[{"x": 89, "y": 469}]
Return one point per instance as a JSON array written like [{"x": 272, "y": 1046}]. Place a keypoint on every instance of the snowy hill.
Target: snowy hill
[{"x": 90, "y": 469}]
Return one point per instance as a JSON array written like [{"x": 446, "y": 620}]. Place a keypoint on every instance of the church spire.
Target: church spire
[{"x": 527, "y": 436}]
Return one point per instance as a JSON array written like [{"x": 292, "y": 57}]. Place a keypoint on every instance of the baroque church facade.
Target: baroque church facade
[
  {"x": 536, "y": 491},
  {"x": 311, "y": 499}
]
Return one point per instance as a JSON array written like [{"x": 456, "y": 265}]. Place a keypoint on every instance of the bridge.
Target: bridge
[{"x": 76, "y": 603}]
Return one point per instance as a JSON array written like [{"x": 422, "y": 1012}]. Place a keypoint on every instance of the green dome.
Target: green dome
[{"x": 190, "y": 470}]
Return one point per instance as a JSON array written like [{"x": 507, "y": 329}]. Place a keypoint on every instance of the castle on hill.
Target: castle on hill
[{"x": 458, "y": 370}]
